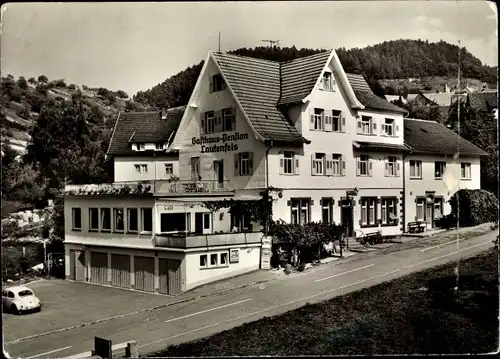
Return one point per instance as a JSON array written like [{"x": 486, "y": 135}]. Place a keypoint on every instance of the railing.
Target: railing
[
  {"x": 150, "y": 187},
  {"x": 191, "y": 240}
]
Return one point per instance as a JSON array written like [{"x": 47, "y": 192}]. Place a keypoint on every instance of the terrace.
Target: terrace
[
  {"x": 150, "y": 188},
  {"x": 192, "y": 240}
]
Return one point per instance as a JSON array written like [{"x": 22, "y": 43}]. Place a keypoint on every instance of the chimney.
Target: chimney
[{"x": 163, "y": 113}]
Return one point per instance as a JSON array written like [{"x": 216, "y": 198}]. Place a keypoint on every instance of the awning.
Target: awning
[{"x": 380, "y": 146}]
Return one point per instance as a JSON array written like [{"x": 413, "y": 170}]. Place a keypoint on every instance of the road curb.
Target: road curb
[{"x": 136, "y": 312}]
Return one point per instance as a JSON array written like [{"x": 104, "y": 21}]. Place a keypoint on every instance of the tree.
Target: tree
[
  {"x": 32, "y": 80},
  {"x": 22, "y": 83},
  {"x": 121, "y": 94},
  {"x": 43, "y": 79}
]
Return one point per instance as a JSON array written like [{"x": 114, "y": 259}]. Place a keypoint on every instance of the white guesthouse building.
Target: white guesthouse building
[{"x": 304, "y": 126}]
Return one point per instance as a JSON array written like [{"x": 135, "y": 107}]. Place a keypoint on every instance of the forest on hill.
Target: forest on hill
[{"x": 388, "y": 60}]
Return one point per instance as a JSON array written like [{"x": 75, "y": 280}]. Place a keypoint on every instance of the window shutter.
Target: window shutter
[
  {"x": 386, "y": 161},
  {"x": 321, "y": 202},
  {"x": 342, "y": 166},
  {"x": 374, "y": 126},
  {"x": 296, "y": 168},
  {"x": 282, "y": 164},
  {"x": 313, "y": 165},
  {"x": 397, "y": 168},
  {"x": 359, "y": 126},
  {"x": 358, "y": 167},
  {"x": 233, "y": 118},
  {"x": 329, "y": 165},
  {"x": 202, "y": 122},
  {"x": 370, "y": 167},
  {"x": 396, "y": 130},
  {"x": 211, "y": 89},
  {"x": 218, "y": 121},
  {"x": 311, "y": 123},
  {"x": 250, "y": 163},
  {"x": 342, "y": 122},
  {"x": 329, "y": 123},
  {"x": 289, "y": 203},
  {"x": 312, "y": 202},
  {"x": 236, "y": 164}
]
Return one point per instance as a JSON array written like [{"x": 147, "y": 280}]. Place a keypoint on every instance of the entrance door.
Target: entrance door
[
  {"x": 195, "y": 168},
  {"x": 80, "y": 265},
  {"x": 429, "y": 214},
  {"x": 346, "y": 218},
  {"x": 170, "y": 276},
  {"x": 198, "y": 223},
  {"x": 72, "y": 264},
  {"x": 219, "y": 174}
]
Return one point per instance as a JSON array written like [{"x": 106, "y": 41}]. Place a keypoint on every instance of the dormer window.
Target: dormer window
[
  {"x": 141, "y": 147},
  {"x": 328, "y": 82},
  {"x": 159, "y": 147},
  {"x": 217, "y": 83}
]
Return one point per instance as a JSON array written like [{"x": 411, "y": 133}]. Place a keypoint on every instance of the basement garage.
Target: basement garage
[
  {"x": 144, "y": 269},
  {"x": 170, "y": 276},
  {"x": 120, "y": 270},
  {"x": 99, "y": 267}
]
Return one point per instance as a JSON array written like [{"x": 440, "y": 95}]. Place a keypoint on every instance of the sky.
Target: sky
[{"x": 135, "y": 46}]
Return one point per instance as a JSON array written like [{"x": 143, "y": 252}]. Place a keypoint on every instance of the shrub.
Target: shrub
[{"x": 476, "y": 207}]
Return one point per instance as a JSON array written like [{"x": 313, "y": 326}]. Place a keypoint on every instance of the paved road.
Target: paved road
[{"x": 199, "y": 318}]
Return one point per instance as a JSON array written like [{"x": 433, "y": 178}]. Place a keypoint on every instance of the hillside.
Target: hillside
[{"x": 400, "y": 59}]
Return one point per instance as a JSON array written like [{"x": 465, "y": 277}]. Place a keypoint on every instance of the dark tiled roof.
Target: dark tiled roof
[
  {"x": 143, "y": 127},
  {"x": 380, "y": 146},
  {"x": 482, "y": 100},
  {"x": 434, "y": 138},
  {"x": 256, "y": 84},
  {"x": 300, "y": 75},
  {"x": 365, "y": 95}
]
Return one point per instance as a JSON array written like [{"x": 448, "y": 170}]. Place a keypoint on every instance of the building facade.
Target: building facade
[{"x": 337, "y": 152}]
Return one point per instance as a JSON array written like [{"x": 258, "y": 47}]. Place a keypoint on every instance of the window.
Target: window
[
  {"x": 244, "y": 164},
  {"x": 391, "y": 166},
  {"x": 465, "y": 170},
  {"x": 147, "y": 219},
  {"x": 206, "y": 221},
  {"x": 287, "y": 163},
  {"x": 328, "y": 82},
  {"x": 439, "y": 168},
  {"x": 137, "y": 168},
  {"x": 213, "y": 259},
  {"x": 241, "y": 222},
  {"x": 389, "y": 127},
  {"x": 132, "y": 214},
  {"x": 174, "y": 222},
  {"x": 389, "y": 212},
  {"x": 141, "y": 168},
  {"x": 420, "y": 209},
  {"x": 209, "y": 122},
  {"x": 195, "y": 168},
  {"x": 119, "y": 224},
  {"x": 159, "y": 146},
  {"x": 77, "y": 219},
  {"x": 141, "y": 146},
  {"x": 364, "y": 165},
  {"x": 368, "y": 211},
  {"x": 223, "y": 259},
  {"x": 203, "y": 260},
  {"x": 218, "y": 83},
  {"x": 228, "y": 120},
  {"x": 366, "y": 126},
  {"x": 327, "y": 210},
  {"x": 318, "y": 165},
  {"x": 415, "y": 169},
  {"x": 336, "y": 124},
  {"x": 318, "y": 119},
  {"x": 336, "y": 164},
  {"x": 94, "y": 219},
  {"x": 300, "y": 210},
  {"x": 169, "y": 169},
  {"x": 105, "y": 219}
]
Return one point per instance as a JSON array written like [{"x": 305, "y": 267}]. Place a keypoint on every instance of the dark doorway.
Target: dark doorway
[
  {"x": 198, "y": 223},
  {"x": 347, "y": 218}
]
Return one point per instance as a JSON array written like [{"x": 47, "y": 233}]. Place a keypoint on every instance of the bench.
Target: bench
[
  {"x": 416, "y": 227},
  {"x": 376, "y": 237}
]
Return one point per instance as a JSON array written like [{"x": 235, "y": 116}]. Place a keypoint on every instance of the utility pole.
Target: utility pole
[
  {"x": 219, "y": 41},
  {"x": 272, "y": 43}
]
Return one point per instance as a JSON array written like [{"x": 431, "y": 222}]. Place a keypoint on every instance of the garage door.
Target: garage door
[
  {"x": 170, "y": 276},
  {"x": 120, "y": 270},
  {"x": 99, "y": 267},
  {"x": 144, "y": 273},
  {"x": 80, "y": 265}
]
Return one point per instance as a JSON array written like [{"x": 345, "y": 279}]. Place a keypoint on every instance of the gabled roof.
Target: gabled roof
[
  {"x": 483, "y": 101},
  {"x": 299, "y": 76},
  {"x": 143, "y": 127},
  {"x": 256, "y": 84},
  {"x": 440, "y": 99},
  {"x": 431, "y": 137},
  {"x": 366, "y": 96}
]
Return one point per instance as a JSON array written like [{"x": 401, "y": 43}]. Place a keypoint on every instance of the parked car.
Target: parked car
[{"x": 20, "y": 299}]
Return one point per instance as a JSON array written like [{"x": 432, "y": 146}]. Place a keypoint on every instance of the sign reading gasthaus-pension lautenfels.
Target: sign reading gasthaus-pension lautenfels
[{"x": 228, "y": 142}]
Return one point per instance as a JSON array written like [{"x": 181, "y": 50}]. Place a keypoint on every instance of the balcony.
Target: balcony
[
  {"x": 190, "y": 240},
  {"x": 150, "y": 188}
]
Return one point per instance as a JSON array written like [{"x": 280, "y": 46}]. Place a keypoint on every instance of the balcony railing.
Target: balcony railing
[
  {"x": 150, "y": 187},
  {"x": 206, "y": 240}
]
